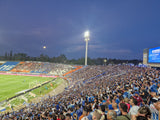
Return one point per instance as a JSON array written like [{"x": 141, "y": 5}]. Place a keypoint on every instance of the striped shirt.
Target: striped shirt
[{"x": 154, "y": 111}]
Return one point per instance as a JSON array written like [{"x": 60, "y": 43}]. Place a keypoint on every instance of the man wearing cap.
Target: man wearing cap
[{"x": 138, "y": 98}]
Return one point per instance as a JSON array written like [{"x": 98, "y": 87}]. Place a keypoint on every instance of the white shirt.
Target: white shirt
[
  {"x": 158, "y": 90},
  {"x": 133, "y": 110}
]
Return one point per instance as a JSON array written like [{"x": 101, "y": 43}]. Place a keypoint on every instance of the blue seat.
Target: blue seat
[{"x": 8, "y": 66}]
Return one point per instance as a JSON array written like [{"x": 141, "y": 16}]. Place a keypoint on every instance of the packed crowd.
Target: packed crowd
[
  {"x": 118, "y": 92},
  {"x": 43, "y": 67}
]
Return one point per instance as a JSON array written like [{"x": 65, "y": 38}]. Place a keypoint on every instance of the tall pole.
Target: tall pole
[
  {"x": 86, "y": 52},
  {"x": 86, "y": 36}
]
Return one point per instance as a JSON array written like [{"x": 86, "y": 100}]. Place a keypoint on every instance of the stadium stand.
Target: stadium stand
[
  {"x": 8, "y": 66},
  {"x": 76, "y": 68},
  {"x": 42, "y": 68},
  {"x": 112, "y": 92}
]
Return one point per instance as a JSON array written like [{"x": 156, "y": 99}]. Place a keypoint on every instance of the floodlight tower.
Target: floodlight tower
[{"x": 86, "y": 38}]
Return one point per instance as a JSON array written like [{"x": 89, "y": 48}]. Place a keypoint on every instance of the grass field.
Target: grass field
[{"x": 12, "y": 84}]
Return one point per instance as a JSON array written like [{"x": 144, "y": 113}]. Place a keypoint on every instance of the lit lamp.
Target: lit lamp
[
  {"x": 105, "y": 61},
  {"x": 44, "y": 47},
  {"x": 86, "y": 38}
]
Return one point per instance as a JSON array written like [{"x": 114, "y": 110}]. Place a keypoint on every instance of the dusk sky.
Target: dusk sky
[{"x": 118, "y": 28}]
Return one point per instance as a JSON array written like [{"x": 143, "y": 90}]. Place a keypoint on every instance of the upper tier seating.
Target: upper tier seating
[{"x": 8, "y": 66}]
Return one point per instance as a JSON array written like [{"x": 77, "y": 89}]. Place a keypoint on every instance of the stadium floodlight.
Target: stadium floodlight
[
  {"x": 86, "y": 34},
  {"x": 86, "y": 37},
  {"x": 105, "y": 61},
  {"x": 44, "y": 47}
]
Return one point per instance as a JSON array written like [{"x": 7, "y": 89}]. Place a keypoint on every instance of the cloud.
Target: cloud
[
  {"x": 81, "y": 47},
  {"x": 101, "y": 48},
  {"x": 96, "y": 49},
  {"x": 121, "y": 51},
  {"x": 13, "y": 32},
  {"x": 73, "y": 49},
  {"x": 42, "y": 31}
]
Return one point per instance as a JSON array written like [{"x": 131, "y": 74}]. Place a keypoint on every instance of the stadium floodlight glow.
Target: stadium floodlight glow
[
  {"x": 86, "y": 34},
  {"x": 86, "y": 38},
  {"x": 44, "y": 47}
]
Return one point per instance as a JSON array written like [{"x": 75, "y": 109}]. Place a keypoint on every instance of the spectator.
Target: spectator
[
  {"x": 144, "y": 93},
  {"x": 144, "y": 113},
  {"x": 68, "y": 116},
  {"x": 155, "y": 110},
  {"x": 98, "y": 115},
  {"x": 79, "y": 110},
  {"x": 84, "y": 114},
  {"x": 118, "y": 112},
  {"x": 126, "y": 100},
  {"x": 138, "y": 98},
  {"x": 103, "y": 109},
  {"x": 123, "y": 108},
  {"x": 111, "y": 115},
  {"x": 134, "y": 109}
]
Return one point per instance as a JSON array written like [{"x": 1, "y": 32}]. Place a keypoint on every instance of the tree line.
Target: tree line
[{"x": 63, "y": 59}]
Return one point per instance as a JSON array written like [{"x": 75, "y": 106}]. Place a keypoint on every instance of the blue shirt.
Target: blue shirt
[
  {"x": 117, "y": 101},
  {"x": 79, "y": 112},
  {"x": 89, "y": 117},
  {"x": 125, "y": 94},
  {"x": 110, "y": 107}
]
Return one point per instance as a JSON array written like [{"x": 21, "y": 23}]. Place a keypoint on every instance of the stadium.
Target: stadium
[
  {"x": 43, "y": 90},
  {"x": 79, "y": 60},
  {"x": 19, "y": 78}
]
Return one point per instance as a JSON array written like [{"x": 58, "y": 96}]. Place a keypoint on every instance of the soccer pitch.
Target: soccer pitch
[{"x": 12, "y": 84}]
